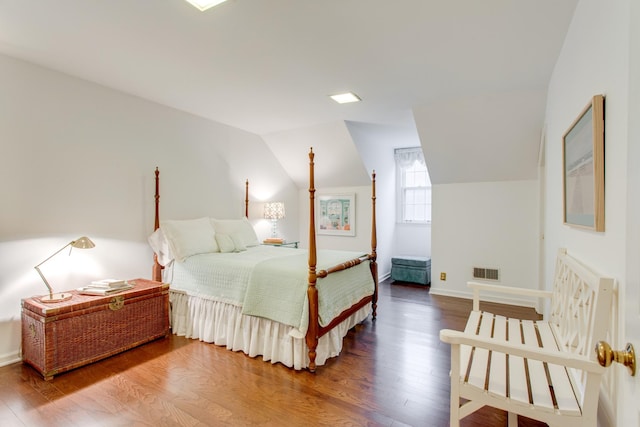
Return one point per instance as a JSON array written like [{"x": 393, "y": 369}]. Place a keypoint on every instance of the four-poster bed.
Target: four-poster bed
[{"x": 287, "y": 305}]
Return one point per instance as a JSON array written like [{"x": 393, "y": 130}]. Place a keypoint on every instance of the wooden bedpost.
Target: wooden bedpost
[
  {"x": 246, "y": 199},
  {"x": 312, "y": 292},
  {"x": 156, "y": 273},
  {"x": 374, "y": 243},
  {"x": 156, "y": 223}
]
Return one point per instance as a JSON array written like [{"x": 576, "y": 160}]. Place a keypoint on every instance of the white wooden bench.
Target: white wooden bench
[{"x": 546, "y": 370}]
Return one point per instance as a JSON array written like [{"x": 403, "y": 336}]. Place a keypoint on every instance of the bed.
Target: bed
[{"x": 290, "y": 306}]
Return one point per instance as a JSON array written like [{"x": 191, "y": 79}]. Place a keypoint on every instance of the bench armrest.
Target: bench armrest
[
  {"x": 477, "y": 287},
  {"x": 556, "y": 357}
]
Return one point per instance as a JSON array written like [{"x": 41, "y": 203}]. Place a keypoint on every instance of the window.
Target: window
[{"x": 413, "y": 186}]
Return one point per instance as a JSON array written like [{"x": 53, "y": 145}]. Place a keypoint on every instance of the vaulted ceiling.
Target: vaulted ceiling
[{"x": 466, "y": 77}]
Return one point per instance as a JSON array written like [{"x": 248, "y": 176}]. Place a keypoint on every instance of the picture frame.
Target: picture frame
[
  {"x": 336, "y": 214},
  {"x": 583, "y": 168}
]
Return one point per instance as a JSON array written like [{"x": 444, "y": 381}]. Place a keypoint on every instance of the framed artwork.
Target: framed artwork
[
  {"x": 583, "y": 168},
  {"x": 336, "y": 214}
]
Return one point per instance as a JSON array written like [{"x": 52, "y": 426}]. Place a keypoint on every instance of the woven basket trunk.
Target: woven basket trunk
[{"x": 62, "y": 336}]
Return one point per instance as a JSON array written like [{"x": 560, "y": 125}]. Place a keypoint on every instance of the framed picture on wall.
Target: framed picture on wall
[
  {"x": 583, "y": 173},
  {"x": 336, "y": 214}
]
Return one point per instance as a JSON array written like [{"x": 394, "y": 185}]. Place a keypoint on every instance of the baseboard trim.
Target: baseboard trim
[
  {"x": 10, "y": 358},
  {"x": 485, "y": 297}
]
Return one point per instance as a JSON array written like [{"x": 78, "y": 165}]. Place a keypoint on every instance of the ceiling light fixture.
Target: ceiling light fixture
[
  {"x": 344, "y": 98},
  {"x": 205, "y": 4}
]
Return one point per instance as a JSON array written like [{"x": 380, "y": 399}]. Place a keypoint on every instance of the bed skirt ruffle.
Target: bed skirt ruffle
[{"x": 224, "y": 324}]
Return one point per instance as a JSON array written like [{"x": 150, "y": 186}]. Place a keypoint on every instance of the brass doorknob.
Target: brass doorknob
[{"x": 606, "y": 355}]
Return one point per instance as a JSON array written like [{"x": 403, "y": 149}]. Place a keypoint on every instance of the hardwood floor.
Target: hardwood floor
[{"x": 392, "y": 372}]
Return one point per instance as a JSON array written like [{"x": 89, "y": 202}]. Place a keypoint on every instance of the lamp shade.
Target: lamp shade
[
  {"x": 80, "y": 243},
  {"x": 83, "y": 243},
  {"x": 274, "y": 210}
]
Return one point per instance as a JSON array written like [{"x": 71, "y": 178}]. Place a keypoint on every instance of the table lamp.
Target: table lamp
[
  {"x": 274, "y": 211},
  {"x": 80, "y": 243}
]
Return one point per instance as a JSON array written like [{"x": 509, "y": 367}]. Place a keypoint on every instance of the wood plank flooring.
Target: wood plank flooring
[{"x": 392, "y": 372}]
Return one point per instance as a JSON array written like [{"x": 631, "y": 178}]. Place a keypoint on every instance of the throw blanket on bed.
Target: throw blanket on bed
[
  {"x": 277, "y": 288},
  {"x": 222, "y": 276}
]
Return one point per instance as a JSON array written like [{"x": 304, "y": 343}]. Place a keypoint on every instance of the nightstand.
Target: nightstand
[{"x": 284, "y": 244}]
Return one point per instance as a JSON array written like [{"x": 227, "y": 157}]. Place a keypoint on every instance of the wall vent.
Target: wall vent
[{"x": 486, "y": 273}]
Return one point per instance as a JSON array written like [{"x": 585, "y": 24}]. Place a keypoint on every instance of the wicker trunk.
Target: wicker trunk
[{"x": 57, "y": 337}]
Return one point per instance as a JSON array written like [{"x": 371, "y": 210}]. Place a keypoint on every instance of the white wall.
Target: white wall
[
  {"x": 376, "y": 144},
  {"x": 78, "y": 159},
  {"x": 362, "y": 239},
  {"x": 487, "y": 224},
  {"x": 594, "y": 60},
  {"x": 412, "y": 239}
]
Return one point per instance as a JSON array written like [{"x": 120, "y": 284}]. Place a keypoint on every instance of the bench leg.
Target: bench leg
[
  {"x": 513, "y": 419},
  {"x": 454, "y": 410}
]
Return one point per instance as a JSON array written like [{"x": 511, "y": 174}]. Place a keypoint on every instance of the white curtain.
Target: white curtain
[{"x": 406, "y": 157}]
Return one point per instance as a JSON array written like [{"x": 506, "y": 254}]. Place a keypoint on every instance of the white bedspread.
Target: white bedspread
[
  {"x": 271, "y": 282},
  {"x": 221, "y": 276},
  {"x": 278, "y": 288}
]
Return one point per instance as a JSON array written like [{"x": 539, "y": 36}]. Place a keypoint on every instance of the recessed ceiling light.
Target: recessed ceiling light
[
  {"x": 205, "y": 4},
  {"x": 344, "y": 98}
]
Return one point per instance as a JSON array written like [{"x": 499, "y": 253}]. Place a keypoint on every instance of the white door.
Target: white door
[
  {"x": 629, "y": 387},
  {"x": 542, "y": 184}
]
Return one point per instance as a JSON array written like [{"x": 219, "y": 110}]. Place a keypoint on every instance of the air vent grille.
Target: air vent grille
[{"x": 486, "y": 273}]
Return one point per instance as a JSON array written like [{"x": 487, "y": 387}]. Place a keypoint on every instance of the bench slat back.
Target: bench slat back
[{"x": 580, "y": 308}]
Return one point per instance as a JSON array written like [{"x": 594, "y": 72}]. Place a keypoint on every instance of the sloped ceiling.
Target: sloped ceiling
[
  {"x": 268, "y": 66},
  {"x": 494, "y": 137},
  {"x": 337, "y": 165}
]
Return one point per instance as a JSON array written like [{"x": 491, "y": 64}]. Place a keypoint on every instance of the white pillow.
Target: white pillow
[
  {"x": 241, "y": 227},
  {"x": 160, "y": 247},
  {"x": 225, "y": 243},
  {"x": 238, "y": 242},
  {"x": 189, "y": 237},
  {"x": 230, "y": 243}
]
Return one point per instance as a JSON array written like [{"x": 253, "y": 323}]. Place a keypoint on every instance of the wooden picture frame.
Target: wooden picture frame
[
  {"x": 336, "y": 214},
  {"x": 583, "y": 168}
]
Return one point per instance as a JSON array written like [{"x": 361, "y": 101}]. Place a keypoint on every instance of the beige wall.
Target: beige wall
[{"x": 78, "y": 159}]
